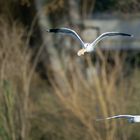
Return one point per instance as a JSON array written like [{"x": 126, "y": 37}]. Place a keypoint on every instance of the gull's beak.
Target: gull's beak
[{"x": 81, "y": 52}]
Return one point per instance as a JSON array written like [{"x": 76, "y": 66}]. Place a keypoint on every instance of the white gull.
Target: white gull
[
  {"x": 86, "y": 47},
  {"x": 130, "y": 118}
]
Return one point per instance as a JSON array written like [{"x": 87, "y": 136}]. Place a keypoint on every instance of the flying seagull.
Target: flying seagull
[
  {"x": 130, "y": 118},
  {"x": 86, "y": 47}
]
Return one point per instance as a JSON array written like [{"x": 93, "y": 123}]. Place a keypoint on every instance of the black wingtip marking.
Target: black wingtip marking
[
  {"x": 124, "y": 34},
  {"x": 60, "y": 30},
  {"x": 54, "y": 30}
]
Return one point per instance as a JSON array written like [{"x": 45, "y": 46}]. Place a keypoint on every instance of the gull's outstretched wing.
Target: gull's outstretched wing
[
  {"x": 109, "y": 34},
  {"x": 117, "y": 116},
  {"x": 67, "y": 31}
]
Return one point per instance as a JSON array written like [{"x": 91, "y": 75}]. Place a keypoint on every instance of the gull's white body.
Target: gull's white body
[
  {"x": 130, "y": 118},
  {"x": 86, "y": 47},
  {"x": 136, "y": 118},
  {"x": 89, "y": 47}
]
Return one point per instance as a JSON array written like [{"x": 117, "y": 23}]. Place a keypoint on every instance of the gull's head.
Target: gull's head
[
  {"x": 86, "y": 45},
  {"x": 89, "y": 47}
]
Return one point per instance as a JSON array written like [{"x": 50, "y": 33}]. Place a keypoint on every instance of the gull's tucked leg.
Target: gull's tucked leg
[{"x": 81, "y": 52}]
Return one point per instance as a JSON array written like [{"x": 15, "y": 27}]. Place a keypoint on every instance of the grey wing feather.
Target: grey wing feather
[
  {"x": 68, "y": 32},
  {"x": 115, "y": 117},
  {"x": 109, "y": 34}
]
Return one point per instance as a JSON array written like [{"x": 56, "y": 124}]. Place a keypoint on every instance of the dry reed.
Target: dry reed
[{"x": 81, "y": 91}]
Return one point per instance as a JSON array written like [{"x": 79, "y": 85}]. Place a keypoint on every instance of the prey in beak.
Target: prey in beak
[{"x": 81, "y": 52}]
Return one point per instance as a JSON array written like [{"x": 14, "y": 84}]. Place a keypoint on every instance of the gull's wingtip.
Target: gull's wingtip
[
  {"x": 44, "y": 29},
  {"x": 131, "y": 35},
  {"x": 126, "y": 34},
  {"x": 47, "y": 30}
]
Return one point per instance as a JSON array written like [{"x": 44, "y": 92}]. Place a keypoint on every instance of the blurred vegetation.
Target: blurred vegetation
[
  {"x": 123, "y": 6},
  {"x": 52, "y": 95}
]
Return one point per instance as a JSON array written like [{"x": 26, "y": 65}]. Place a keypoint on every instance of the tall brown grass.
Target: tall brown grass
[
  {"x": 97, "y": 91},
  {"x": 80, "y": 91},
  {"x": 15, "y": 77}
]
